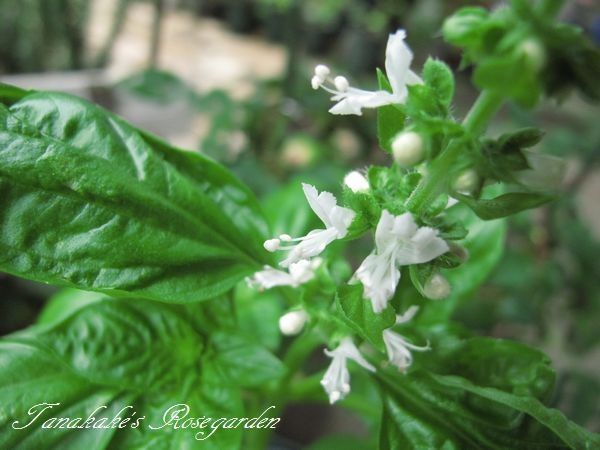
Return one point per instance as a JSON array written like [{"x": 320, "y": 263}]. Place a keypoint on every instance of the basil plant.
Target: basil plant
[{"x": 192, "y": 313}]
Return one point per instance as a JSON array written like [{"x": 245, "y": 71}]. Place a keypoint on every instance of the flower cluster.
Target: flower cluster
[{"x": 399, "y": 241}]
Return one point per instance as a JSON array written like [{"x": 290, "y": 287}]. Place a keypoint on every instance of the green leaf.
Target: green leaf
[
  {"x": 504, "y": 205},
  {"x": 238, "y": 361},
  {"x": 464, "y": 27},
  {"x": 507, "y": 74},
  {"x": 340, "y": 442},
  {"x": 66, "y": 302},
  {"x": 88, "y": 201},
  {"x": 111, "y": 353},
  {"x": 440, "y": 79},
  {"x": 390, "y": 119},
  {"x": 357, "y": 313},
  {"x": 502, "y": 157},
  {"x": 10, "y": 94},
  {"x": 570, "y": 433},
  {"x": 487, "y": 396}
]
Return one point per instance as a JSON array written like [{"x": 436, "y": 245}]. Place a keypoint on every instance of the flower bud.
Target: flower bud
[
  {"x": 292, "y": 323},
  {"x": 534, "y": 53},
  {"x": 437, "y": 287},
  {"x": 407, "y": 148},
  {"x": 356, "y": 182},
  {"x": 466, "y": 182}
]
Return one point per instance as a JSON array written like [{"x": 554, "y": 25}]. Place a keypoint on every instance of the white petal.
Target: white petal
[
  {"x": 348, "y": 349},
  {"x": 397, "y": 61},
  {"x": 424, "y": 246},
  {"x": 270, "y": 277},
  {"x": 408, "y": 315},
  {"x": 325, "y": 206},
  {"x": 302, "y": 271},
  {"x": 405, "y": 226},
  {"x": 311, "y": 245},
  {"x": 353, "y": 100},
  {"x": 379, "y": 277},
  {"x": 321, "y": 203},
  {"x": 383, "y": 232},
  {"x": 413, "y": 78}
]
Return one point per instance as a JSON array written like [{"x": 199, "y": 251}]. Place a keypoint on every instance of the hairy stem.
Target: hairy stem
[{"x": 435, "y": 181}]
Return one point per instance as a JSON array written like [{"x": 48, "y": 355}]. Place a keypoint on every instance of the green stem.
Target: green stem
[
  {"x": 475, "y": 123},
  {"x": 482, "y": 112}
]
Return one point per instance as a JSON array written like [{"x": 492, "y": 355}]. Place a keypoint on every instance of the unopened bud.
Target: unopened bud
[
  {"x": 407, "y": 148},
  {"x": 341, "y": 83},
  {"x": 272, "y": 245},
  {"x": 437, "y": 287},
  {"x": 322, "y": 71},
  {"x": 534, "y": 52},
  {"x": 466, "y": 182},
  {"x": 356, "y": 182},
  {"x": 292, "y": 323}
]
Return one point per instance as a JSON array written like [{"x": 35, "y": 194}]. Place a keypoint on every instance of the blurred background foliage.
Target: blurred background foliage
[{"x": 546, "y": 290}]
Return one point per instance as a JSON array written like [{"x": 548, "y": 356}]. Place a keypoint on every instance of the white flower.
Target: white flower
[
  {"x": 397, "y": 347},
  {"x": 351, "y": 100},
  {"x": 299, "y": 273},
  {"x": 399, "y": 242},
  {"x": 336, "y": 219},
  {"x": 336, "y": 380},
  {"x": 356, "y": 182},
  {"x": 292, "y": 323}
]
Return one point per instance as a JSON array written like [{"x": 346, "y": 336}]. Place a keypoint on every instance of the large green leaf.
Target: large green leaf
[
  {"x": 489, "y": 395},
  {"x": 87, "y": 200},
  {"x": 116, "y": 354}
]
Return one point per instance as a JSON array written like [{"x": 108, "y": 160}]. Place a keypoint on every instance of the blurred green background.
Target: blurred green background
[{"x": 231, "y": 79}]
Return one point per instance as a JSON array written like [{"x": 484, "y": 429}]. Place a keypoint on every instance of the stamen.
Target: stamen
[
  {"x": 316, "y": 82},
  {"x": 341, "y": 83},
  {"x": 322, "y": 71},
  {"x": 272, "y": 245}
]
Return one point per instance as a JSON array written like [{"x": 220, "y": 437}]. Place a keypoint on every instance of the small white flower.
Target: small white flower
[
  {"x": 397, "y": 347},
  {"x": 356, "y": 182},
  {"x": 336, "y": 380},
  {"x": 299, "y": 273},
  {"x": 399, "y": 242},
  {"x": 292, "y": 323},
  {"x": 336, "y": 219},
  {"x": 351, "y": 100}
]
